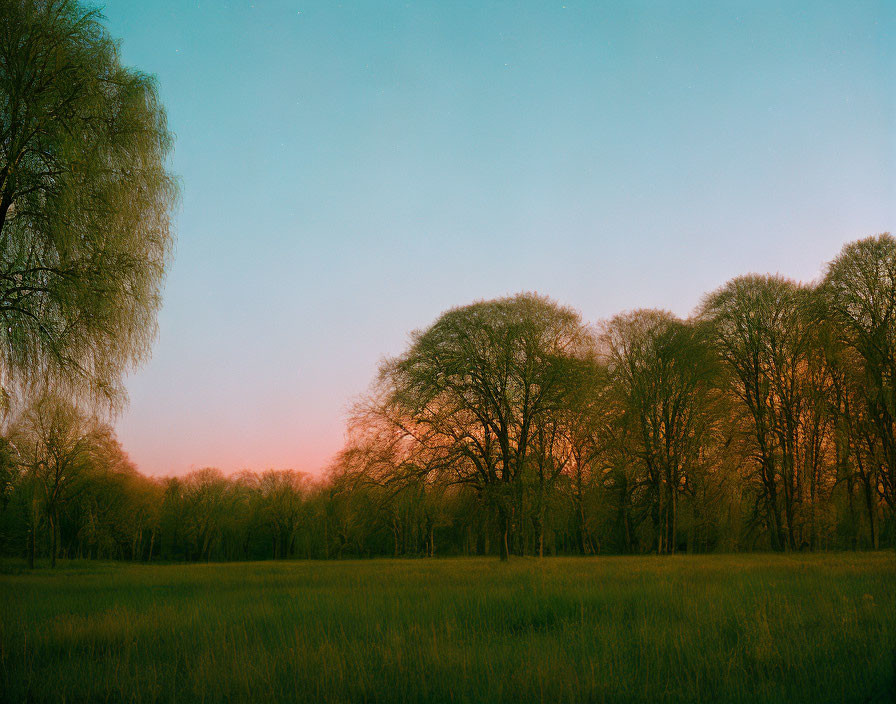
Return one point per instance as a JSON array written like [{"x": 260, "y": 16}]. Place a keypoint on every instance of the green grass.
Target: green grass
[{"x": 755, "y": 628}]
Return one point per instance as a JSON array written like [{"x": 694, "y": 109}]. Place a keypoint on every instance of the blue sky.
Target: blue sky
[{"x": 350, "y": 170}]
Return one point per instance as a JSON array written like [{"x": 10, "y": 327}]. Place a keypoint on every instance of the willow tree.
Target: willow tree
[
  {"x": 85, "y": 200},
  {"x": 476, "y": 385}
]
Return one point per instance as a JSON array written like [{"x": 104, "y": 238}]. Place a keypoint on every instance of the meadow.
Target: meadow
[{"x": 725, "y": 628}]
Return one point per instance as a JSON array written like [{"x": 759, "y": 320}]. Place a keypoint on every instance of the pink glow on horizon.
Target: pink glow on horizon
[{"x": 231, "y": 452}]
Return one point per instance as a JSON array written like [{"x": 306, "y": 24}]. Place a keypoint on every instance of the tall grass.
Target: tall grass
[{"x": 806, "y": 628}]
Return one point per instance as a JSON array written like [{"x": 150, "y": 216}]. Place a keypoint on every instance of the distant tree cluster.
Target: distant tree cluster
[
  {"x": 765, "y": 421},
  {"x": 73, "y": 493}
]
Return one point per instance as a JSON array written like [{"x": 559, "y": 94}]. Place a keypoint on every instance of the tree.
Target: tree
[
  {"x": 117, "y": 509},
  {"x": 585, "y": 425},
  {"x": 208, "y": 498},
  {"x": 859, "y": 295},
  {"x": 57, "y": 444},
  {"x": 85, "y": 200},
  {"x": 473, "y": 388},
  {"x": 763, "y": 334},
  {"x": 665, "y": 375},
  {"x": 282, "y": 497}
]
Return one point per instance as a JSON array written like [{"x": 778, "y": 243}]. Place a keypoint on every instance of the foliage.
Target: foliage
[{"x": 85, "y": 201}]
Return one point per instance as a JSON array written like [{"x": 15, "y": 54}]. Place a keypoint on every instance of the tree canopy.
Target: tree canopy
[
  {"x": 477, "y": 384},
  {"x": 85, "y": 201}
]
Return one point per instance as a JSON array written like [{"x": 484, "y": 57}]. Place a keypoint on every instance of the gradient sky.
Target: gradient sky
[{"x": 350, "y": 170}]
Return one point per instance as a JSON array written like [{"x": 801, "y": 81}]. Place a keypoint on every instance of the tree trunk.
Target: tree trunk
[
  {"x": 395, "y": 534},
  {"x": 853, "y": 521},
  {"x": 871, "y": 505},
  {"x": 134, "y": 546},
  {"x": 674, "y": 528},
  {"x": 31, "y": 547},
  {"x": 580, "y": 515},
  {"x": 503, "y": 541},
  {"x": 53, "y": 527}
]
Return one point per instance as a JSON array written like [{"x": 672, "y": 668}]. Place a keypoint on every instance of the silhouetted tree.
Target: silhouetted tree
[
  {"x": 665, "y": 374},
  {"x": 56, "y": 443},
  {"x": 859, "y": 294},
  {"x": 475, "y": 386},
  {"x": 763, "y": 333}
]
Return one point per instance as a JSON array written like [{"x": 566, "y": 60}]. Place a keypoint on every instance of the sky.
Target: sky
[{"x": 351, "y": 170}]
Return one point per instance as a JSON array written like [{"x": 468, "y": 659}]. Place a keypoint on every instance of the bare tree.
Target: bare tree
[
  {"x": 57, "y": 444},
  {"x": 208, "y": 496},
  {"x": 665, "y": 375},
  {"x": 282, "y": 497},
  {"x": 859, "y": 294},
  {"x": 474, "y": 387},
  {"x": 763, "y": 333}
]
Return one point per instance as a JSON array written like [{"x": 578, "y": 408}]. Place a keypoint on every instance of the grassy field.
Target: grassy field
[{"x": 806, "y": 628}]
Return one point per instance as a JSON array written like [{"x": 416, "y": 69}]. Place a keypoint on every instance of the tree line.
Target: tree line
[{"x": 765, "y": 421}]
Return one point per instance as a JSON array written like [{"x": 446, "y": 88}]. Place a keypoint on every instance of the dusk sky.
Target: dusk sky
[{"x": 351, "y": 170}]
